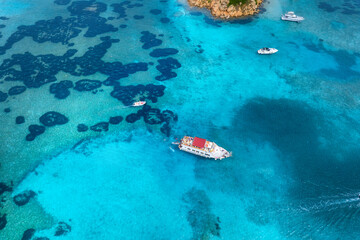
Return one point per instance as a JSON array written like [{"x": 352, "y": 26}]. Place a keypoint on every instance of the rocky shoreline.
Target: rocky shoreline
[{"x": 225, "y": 9}]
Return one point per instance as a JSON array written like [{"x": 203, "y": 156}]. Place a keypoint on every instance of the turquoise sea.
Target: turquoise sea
[{"x": 77, "y": 163}]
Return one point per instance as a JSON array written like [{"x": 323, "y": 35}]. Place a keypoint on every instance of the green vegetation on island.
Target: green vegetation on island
[{"x": 237, "y": 2}]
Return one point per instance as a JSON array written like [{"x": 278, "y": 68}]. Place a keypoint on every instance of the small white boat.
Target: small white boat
[
  {"x": 267, "y": 51},
  {"x": 290, "y": 16},
  {"x": 138, "y": 104}
]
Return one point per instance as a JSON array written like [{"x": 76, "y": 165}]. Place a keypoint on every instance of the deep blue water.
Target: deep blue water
[{"x": 102, "y": 170}]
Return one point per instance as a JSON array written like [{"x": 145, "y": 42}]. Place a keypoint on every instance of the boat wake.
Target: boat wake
[
  {"x": 319, "y": 216},
  {"x": 331, "y": 204}
]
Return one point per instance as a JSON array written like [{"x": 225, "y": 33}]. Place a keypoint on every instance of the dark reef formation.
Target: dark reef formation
[
  {"x": 3, "y": 96},
  {"x": 62, "y": 229},
  {"x": 86, "y": 15},
  {"x": 133, "y": 117},
  {"x": 127, "y": 94},
  {"x": 24, "y": 197},
  {"x": 39, "y": 70},
  {"x": 16, "y": 90},
  {"x": 35, "y": 70},
  {"x": 165, "y": 20},
  {"x": 28, "y": 234},
  {"x": 87, "y": 85},
  {"x": 154, "y": 116},
  {"x": 19, "y": 120},
  {"x": 350, "y": 7},
  {"x": 52, "y": 118},
  {"x": 4, "y": 188},
  {"x": 165, "y": 67},
  {"x": 202, "y": 221},
  {"x": 115, "y": 120},
  {"x": 23, "y": 71},
  {"x": 117, "y": 70},
  {"x": 149, "y": 40},
  {"x": 3, "y": 221},
  {"x": 35, "y": 130},
  {"x": 155, "y": 11},
  {"x": 61, "y": 89},
  {"x": 346, "y": 61},
  {"x": 163, "y": 52},
  {"x": 138, "y": 17},
  {"x": 82, "y": 128},
  {"x": 62, "y": 2},
  {"x": 100, "y": 127},
  {"x": 120, "y": 9},
  {"x": 48, "y": 119}
]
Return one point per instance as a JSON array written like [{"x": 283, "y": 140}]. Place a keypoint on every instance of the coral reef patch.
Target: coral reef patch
[
  {"x": 3, "y": 221},
  {"x": 163, "y": 52},
  {"x": 127, "y": 94},
  {"x": 154, "y": 116},
  {"x": 165, "y": 20},
  {"x": 3, "y": 96},
  {"x": 203, "y": 222},
  {"x": 100, "y": 127},
  {"x": 20, "y": 119},
  {"x": 87, "y": 85},
  {"x": 53, "y": 118},
  {"x": 62, "y": 2},
  {"x": 24, "y": 197},
  {"x": 28, "y": 234},
  {"x": 4, "y": 188},
  {"x": 16, "y": 90},
  {"x": 155, "y": 11},
  {"x": 35, "y": 130},
  {"x": 82, "y": 128},
  {"x": 165, "y": 67},
  {"x": 61, "y": 89},
  {"x": 62, "y": 229},
  {"x": 149, "y": 40},
  {"x": 115, "y": 120}
]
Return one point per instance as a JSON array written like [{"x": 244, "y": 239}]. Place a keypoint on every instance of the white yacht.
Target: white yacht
[
  {"x": 138, "y": 104},
  {"x": 267, "y": 51},
  {"x": 203, "y": 148},
  {"x": 290, "y": 16}
]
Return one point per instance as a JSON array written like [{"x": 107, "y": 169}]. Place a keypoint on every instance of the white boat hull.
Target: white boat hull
[
  {"x": 291, "y": 18},
  {"x": 138, "y": 104},
  {"x": 198, "y": 152},
  {"x": 265, "y": 52},
  {"x": 215, "y": 152}
]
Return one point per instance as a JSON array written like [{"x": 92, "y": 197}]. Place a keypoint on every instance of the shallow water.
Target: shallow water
[{"x": 290, "y": 119}]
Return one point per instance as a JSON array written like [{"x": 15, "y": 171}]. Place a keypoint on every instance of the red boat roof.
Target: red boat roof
[{"x": 199, "y": 142}]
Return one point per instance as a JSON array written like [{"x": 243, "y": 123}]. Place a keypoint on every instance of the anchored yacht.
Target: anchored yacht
[
  {"x": 203, "y": 148},
  {"x": 267, "y": 51},
  {"x": 290, "y": 16},
  {"x": 138, "y": 104}
]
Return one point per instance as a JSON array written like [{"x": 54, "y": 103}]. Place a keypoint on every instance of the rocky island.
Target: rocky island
[{"x": 226, "y": 9}]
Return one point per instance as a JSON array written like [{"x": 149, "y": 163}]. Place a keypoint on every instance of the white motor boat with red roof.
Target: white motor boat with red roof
[
  {"x": 203, "y": 148},
  {"x": 138, "y": 104}
]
